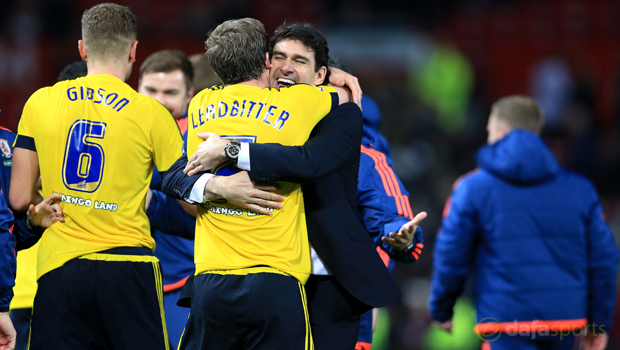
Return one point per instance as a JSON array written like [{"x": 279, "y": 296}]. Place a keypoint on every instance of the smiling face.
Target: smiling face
[
  {"x": 292, "y": 62},
  {"x": 169, "y": 88}
]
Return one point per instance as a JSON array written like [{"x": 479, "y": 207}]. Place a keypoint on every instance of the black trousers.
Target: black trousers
[
  {"x": 100, "y": 304},
  {"x": 251, "y": 311},
  {"x": 334, "y": 314},
  {"x": 21, "y": 322}
]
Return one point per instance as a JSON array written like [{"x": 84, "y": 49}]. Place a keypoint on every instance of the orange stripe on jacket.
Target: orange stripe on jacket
[
  {"x": 386, "y": 185},
  {"x": 390, "y": 183},
  {"x": 182, "y": 123},
  {"x": 175, "y": 286},
  {"x": 384, "y": 256},
  {"x": 408, "y": 207},
  {"x": 446, "y": 208},
  {"x": 382, "y": 162},
  {"x": 390, "y": 173},
  {"x": 457, "y": 183},
  {"x": 362, "y": 346},
  {"x": 3, "y": 128},
  {"x": 530, "y": 326}
]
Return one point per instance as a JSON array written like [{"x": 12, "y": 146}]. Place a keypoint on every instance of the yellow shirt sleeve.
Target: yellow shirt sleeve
[
  {"x": 192, "y": 142},
  {"x": 26, "y": 123},
  {"x": 166, "y": 139},
  {"x": 314, "y": 101}
]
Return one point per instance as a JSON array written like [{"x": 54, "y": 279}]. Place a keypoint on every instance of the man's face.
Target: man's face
[
  {"x": 292, "y": 62},
  {"x": 169, "y": 89}
]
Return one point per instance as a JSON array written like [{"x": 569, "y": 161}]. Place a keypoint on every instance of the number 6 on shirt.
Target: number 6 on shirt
[{"x": 82, "y": 167}]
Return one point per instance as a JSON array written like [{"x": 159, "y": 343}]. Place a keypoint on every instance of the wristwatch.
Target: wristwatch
[{"x": 232, "y": 150}]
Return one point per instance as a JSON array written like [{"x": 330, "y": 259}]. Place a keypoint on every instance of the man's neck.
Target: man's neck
[
  {"x": 262, "y": 82},
  {"x": 110, "y": 69},
  {"x": 257, "y": 83}
]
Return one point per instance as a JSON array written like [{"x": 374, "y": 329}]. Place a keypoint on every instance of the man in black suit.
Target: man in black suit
[{"x": 327, "y": 165}]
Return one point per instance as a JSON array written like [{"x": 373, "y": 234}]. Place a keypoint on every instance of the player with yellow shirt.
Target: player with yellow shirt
[
  {"x": 94, "y": 141},
  {"x": 26, "y": 275},
  {"x": 246, "y": 113},
  {"x": 251, "y": 267}
]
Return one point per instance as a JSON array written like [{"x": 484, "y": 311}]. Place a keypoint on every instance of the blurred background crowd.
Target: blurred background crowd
[{"x": 432, "y": 66}]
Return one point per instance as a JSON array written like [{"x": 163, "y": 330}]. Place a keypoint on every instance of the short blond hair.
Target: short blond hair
[
  {"x": 519, "y": 112},
  {"x": 108, "y": 30},
  {"x": 236, "y": 50}
]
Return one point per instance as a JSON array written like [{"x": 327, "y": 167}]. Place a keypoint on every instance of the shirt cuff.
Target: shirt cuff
[
  {"x": 243, "y": 162},
  {"x": 197, "y": 193}
]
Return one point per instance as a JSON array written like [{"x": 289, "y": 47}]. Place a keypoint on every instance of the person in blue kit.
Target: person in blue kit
[
  {"x": 372, "y": 121},
  {"x": 167, "y": 76},
  {"x": 381, "y": 199},
  {"x": 17, "y": 234},
  {"x": 7, "y": 275},
  {"x": 534, "y": 236},
  {"x": 383, "y": 203}
]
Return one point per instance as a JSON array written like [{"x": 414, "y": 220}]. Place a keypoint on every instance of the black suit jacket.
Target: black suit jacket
[{"x": 327, "y": 166}]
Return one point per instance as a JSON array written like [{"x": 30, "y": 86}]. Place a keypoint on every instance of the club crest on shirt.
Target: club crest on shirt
[{"x": 6, "y": 150}]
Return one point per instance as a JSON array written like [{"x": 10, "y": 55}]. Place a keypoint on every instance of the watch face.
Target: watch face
[{"x": 232, "y": 150}]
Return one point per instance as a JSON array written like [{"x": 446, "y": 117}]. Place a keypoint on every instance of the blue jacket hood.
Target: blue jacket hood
[
  {"x": 367, "y": 138},
  {"x": 521, "y": 156},
  {"x": 370, "y": 112}
]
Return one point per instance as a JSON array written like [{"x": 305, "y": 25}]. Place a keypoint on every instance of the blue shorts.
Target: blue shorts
[{"x": 257, "y": 308}]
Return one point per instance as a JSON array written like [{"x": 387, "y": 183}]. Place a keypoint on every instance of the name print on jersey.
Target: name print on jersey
[
  {"x": 244, "y": 109},
  {"x": 88, "y": 94},
  {"x": 230, "y": 211},
  {"x": 86, "y": 202}
]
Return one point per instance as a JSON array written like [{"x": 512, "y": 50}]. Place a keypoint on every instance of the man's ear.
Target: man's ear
[
  {"x": 132, "y": 52},
  {"x": 320, "y": 76},
  {"x": 503, "y": 129},
  {"x": 267, "y": 61},
  {"x": 82, "y": 50}
]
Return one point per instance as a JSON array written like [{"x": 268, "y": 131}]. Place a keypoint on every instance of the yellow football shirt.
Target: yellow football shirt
[
  {"x": 25, "y": 278},
  {"x": 229, "y": 237},
  {"x": 97, "y": 140}
]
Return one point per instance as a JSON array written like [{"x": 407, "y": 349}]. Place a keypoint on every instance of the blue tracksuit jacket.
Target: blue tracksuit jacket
[
  {"x": 384, "y": 204},
  {"x": 7, "y": 256},
  {"x": 9, "y": 227},
  {"x": 372, "y": 121},
  {"x": 533, "y": 236}
]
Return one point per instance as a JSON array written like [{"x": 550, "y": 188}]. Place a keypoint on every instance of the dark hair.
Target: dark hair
[
  {"x": 335, "y": 62},
  {"x": 236, "y": 50},
  {"x": 166, "y": 61},
  {"x": 108, "y": 30},
  {"x": 73, "y": 71},
  {"x": 519, "y": 112},
  {"x": 307, "y": 35}
]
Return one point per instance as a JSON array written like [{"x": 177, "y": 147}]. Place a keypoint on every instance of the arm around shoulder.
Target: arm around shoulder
[
  {"x": 334, "y": 141},
  {"x": 344, "y": 95},
  {"x": 176, "y": 183}
]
